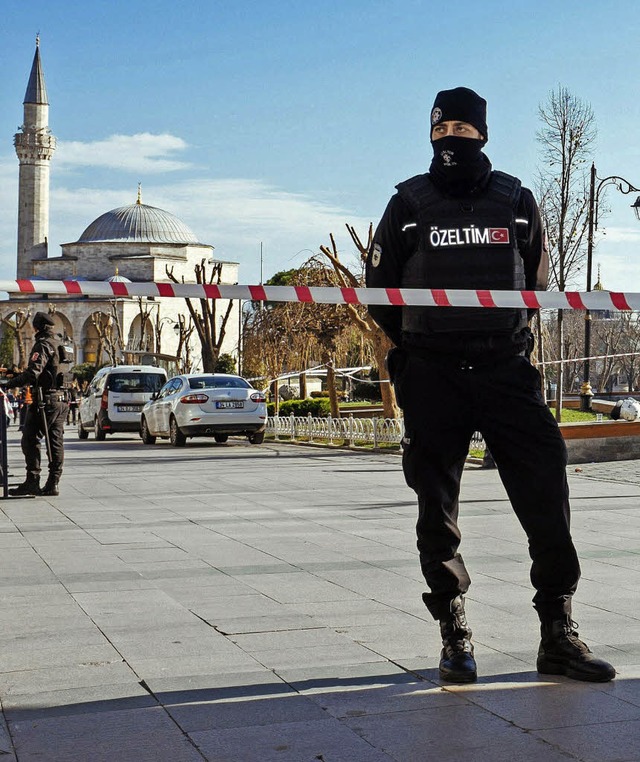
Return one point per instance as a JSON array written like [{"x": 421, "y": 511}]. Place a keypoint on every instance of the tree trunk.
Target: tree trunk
[
  {"x": 381, "y": 346},
  {"x": 541, "y": 365},
  {"x": 331, "y": 386},
  {"x": 209, "y": 358},
  {"x": 303, "y": 386},
  {"x": 560, "y": 374}
]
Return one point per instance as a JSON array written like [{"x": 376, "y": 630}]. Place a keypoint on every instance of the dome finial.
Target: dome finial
[
  {"x": 38, "y": 40},
  {"x": 598, "y": 286},
  {"x": 139, "y": 201},
  {"x": 116, "y": 271}
]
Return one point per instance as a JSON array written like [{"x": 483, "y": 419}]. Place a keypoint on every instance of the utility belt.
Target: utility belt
[
  {"x": 454, "y": 361},
  {"x": 54, "y": 395}
]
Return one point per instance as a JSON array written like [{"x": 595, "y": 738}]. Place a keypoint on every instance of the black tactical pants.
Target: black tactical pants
[
  {"x": 33, "y": 431},
  {"x": 444, "y": 403}
]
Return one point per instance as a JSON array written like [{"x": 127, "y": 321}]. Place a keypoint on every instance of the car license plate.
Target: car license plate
[
  {"x": 129, "y": 408},
  {"x": 231, "y": 404}
]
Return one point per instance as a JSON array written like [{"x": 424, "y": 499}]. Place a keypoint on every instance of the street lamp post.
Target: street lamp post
[{"x": 595, "y": 187}]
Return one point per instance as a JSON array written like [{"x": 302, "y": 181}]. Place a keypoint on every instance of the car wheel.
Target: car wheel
[
  {"x": 221, "y": 438},
  {"x": 82, "y": 432},
  {"x": 257, "y": 438},
  {"x": 100, "y": 433},
  {"x": 176, "y": 437},
  {"x": 145, "y": 434}
]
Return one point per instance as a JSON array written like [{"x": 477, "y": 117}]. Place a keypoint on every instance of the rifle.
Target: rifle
[{"x": 43, "y": 415}]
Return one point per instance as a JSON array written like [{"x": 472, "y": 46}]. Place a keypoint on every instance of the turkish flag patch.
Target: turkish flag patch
[
  {"x": 499, "y": 235},
  {"x": 35, "y": 356}
]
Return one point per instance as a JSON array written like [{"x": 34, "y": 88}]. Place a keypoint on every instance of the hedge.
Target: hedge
[{"x": 319, "y": 408}]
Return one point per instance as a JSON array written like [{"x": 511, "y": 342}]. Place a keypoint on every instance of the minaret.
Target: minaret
[{"x": 35, "y": 146}]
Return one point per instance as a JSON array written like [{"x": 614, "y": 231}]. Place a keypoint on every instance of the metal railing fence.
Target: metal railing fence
[{"x": 349, "y": 430}]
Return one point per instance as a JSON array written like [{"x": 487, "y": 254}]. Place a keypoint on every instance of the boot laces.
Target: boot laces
[{"x": 571, "y": 633}]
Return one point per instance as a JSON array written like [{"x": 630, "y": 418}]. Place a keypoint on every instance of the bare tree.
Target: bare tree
[
  {"x": 210, "y": 333},
  {"x": 183, "y": 353},
  {"x": 360, "y": 317},
  {"x": 110, "y": 336},
  {"x": 17, "y": 323},
  {"x": 566, "y": 137},
  {"x": 145, "y": 310}
]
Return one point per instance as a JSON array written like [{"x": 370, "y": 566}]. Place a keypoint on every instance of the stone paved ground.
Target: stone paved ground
[{"x": 236, "y": 603}]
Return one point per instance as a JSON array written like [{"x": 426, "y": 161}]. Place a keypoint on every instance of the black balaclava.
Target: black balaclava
[{"x": 458, "y": 166}]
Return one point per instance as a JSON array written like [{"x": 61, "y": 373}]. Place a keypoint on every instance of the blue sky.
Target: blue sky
[{"x": 277, "y": 122}]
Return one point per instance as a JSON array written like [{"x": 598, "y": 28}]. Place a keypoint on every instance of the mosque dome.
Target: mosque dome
[
  {"x": 138, "y": 223},
  {"x": 117, "y": 278}
]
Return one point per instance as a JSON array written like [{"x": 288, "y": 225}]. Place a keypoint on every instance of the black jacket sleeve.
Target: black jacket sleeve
[
  {"x": 533, "y": 248},
  {"x": 40, "y": 355},
  {"x": 394, "y": 242}
]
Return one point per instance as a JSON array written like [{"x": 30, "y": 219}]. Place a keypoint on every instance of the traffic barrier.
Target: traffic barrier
[{"x": 565, "y": 300}]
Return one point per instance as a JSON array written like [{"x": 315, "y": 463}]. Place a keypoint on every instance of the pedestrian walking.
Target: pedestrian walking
[
  {"x": 73, "y": 392},
  {"x": 463, "y": 225}
]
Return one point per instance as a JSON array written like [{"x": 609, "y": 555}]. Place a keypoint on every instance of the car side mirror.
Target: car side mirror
[{"x": 155, "y": 395}]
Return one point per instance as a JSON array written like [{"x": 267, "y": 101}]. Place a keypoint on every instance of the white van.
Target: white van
[{"x": 115, "y": 398}]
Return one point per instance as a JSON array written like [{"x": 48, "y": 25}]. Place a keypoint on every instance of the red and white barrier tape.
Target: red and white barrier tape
[{"x": 566, "y": 300}]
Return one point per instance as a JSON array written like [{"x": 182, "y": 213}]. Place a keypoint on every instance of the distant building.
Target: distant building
[{"x": 132, "y": 243}]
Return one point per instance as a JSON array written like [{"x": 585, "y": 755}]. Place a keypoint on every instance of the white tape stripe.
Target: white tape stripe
[{"x": 593, "y": 300}]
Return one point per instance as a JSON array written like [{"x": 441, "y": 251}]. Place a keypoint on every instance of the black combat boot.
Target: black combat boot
[
  {"x": 31, "y": 486},
  {"x": 457, "y": 664},
  {"x": 561, "y": 652},
  {"x": 50, "y": 488}
]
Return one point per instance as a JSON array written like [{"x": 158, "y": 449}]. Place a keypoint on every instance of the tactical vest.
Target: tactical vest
[
  {"x": 61, "y": 353},
  {"x": 464, "y": 244},
  {"x": 48, "y": 379}
]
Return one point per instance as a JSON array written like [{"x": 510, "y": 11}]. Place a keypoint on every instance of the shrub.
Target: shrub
[
  {"x": 364, "y": 390},
  {"x": 319, "y": 408},
  {"x": 84, "y": 372},
  {"x": 225, "y": 364}
]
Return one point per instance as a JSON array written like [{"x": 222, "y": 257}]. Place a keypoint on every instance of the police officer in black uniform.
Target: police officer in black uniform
[
  {"x": 459, "y": 370},
  {"x": 42, "y": 374}
]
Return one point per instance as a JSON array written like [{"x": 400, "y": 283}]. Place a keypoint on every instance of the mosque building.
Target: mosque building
[{"x": 132, "y": 243}]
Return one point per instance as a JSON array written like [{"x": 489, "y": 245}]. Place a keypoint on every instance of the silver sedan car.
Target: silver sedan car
[{"x": 204, "y": 405}]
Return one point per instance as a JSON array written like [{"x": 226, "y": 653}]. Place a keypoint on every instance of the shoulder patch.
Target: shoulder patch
[
  {"x": 376, "y": 255},
  {"x": 35, "y": 356}
]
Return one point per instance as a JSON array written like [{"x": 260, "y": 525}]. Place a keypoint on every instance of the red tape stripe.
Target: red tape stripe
[
  {"x": 531, "y": 300},
  {"x": 575, "y": 300},
  {"x": 26, "y": 286},
  {"x": 211, "y": 290},
  {"x": 258, "y": 293},
  {"x": 619, "y": 300},
  {"x": 165, "y": 289},
  {"x": 440, "y": 297},
  {"x": 118, "y": 288},
  {"x": 72, "y": 286},
  {"x": 350, "y": 295},
  {"x": 485, "y": 298},
  {"x": 303, "y": 293},
  {"x": 395, "y": 296}
]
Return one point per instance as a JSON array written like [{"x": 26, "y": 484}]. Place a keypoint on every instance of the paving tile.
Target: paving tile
[
  {"x": 605, "y": 742},
  {"x": 451, "y": 733},
  {"x": 287, "y": 742},
  {"x": 135, "y": 735},
  {"x": 542, "y": 703},
  {"x": 233, "y": 713}
]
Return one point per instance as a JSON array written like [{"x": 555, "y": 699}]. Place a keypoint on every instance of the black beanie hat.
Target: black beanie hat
[
  {"x": 41, "y": 319},
  {"x": 461, "y": 105}
]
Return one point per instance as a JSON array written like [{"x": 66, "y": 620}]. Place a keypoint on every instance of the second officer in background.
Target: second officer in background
[{"x": 46, "y": 414}]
